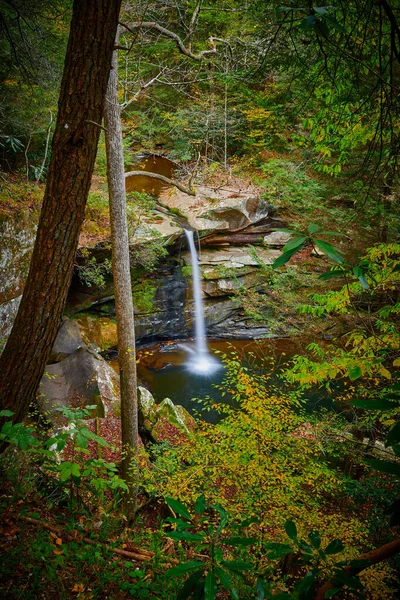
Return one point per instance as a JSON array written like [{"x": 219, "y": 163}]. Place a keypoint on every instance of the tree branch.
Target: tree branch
[
  {"x": 173, "y": 36},
  {"x": 373, "y": 557},
  {"x": 186, "y": 190}
]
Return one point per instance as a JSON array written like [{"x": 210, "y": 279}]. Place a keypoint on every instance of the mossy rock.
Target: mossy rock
[
  {"x": 100, "y": 331},
  {"x": 147, "y": 408},
  {"x": 165, "y": 421}
]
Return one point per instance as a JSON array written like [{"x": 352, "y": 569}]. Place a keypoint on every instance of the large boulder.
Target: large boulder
[
  {"x": 82, "y": 379},
  {"x": 67, "y": 342},
  {"x": 234, "y": 214},
  {"x": 100, "y": 331},
  {"x": 8, "y": 312},
  {"x": 165, "y": 421},
  {"x": 219, "y": 208}
]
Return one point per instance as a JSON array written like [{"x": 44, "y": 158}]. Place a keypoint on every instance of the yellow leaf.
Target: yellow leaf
[
  {"x": 58, "y": 551},
  {"x": 396, "y": 363},
  {"x": 78, "y": 588},
  {"x": 58, "y": 541},
  {"x": 385, "y": 373}
]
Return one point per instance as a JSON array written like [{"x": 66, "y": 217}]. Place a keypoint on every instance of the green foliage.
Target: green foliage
[
  {"x": 261, "y": 461},
  {"x": 81, "y": 478},
  {"x": 308, "y": 238},
  {"x": 369, "y": 299},
  {"x": 288, "y": 185},
  {"x": 208, "y": 541},
  {"x": 93, "y": 273}
]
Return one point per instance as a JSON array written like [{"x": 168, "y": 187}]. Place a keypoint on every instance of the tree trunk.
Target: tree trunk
[
  {"x": 122, "y": 287},
  {"x": 81, "y": 103}
]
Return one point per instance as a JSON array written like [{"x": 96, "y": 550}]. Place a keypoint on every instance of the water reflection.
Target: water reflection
[
  {"x": 152, "y": 164},
  {"x": 162, "y": 369}
]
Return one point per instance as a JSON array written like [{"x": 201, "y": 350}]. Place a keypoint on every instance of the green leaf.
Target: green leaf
[
  {"x": 200, "y": 505},
  {"x": 295, "y": 244},
  {"x": 321, "y": 10},
  {"x": 349, "y": 580},
  {"x": 210, "y": 586},
  {"x": 282, "y": 259},
  {"x": 278, "y": 551},
  {"x": 223, "y": 577},
  {"x": 237, "y": 565},
  {"x": 359, "y": 273},
  {"x": 191, "y": 565},
  {"x": 291, "y": 231},
  {"x": 385, "y": 466},
  {"x": 260, "y": 589},
  {"x": 360, "y": 563},
  {"x": 291, "y": 530},
  {"x": 312, "y": 228},
  {"x": 335, "y": 233},
  {"x": 223, "y": 516},
  {"x": 335, "y": 24},
  {"x": 374, "y": 404},
  {"x": 393, "y": 437},
  {"x": 6, "y": 413},
  {"x": 178, "y": 508},
  {"x": 234, "y": 594},
  {"x": 315, "y": 539},
  {"x": 330, "y": 251},
  {"x": 332, "y": 274},
  {"x": 249, "y": 521},
  {"x": 240, "y": 541},
  {"x": 354, "y": 372},
  {"x": 334, "y": 547},
  {"x": 185, "y": 535},
  {"x": 190, "y": 585},
  {"x": 308, "y": 22}
]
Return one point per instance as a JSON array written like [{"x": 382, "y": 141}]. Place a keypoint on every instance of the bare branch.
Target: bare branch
[
  {"x": 142, "y": 87},
  {"x": 186, "y": 190},
  {"x": 152, "y": 25}
]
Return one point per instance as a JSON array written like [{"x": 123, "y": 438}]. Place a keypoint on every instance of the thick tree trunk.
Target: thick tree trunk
[
  {"x": 122, "y": 287},
  {"x": 81, "y": 103}
]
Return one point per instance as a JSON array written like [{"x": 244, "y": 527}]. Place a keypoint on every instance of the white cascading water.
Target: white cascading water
[{"x": 200, "y": 361}]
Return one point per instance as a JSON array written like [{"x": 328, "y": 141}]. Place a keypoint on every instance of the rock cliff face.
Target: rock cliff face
[
  {"x": 17, "y": 236},
  {"x": 230, "y": 220}
]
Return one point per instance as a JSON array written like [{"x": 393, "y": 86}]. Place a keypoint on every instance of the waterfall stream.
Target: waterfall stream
[{"x": 200, "y": 360}]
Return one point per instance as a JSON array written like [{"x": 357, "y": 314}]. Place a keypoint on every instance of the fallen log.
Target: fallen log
[
  {"x": 140, "y": 555},
  {"x": 371, "y": 558}
]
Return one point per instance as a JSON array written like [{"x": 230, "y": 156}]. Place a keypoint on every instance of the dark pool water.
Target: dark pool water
[
  {"x": 152, "y": 164},
  {"x": 162, "y": 369}
]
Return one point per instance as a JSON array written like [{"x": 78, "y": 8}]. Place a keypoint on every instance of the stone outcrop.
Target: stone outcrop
[
  {"x": 98, "y": 331},
  {"x": 276, "y": 239},
  {"x": 165, "y": 421},
  {"x": 219, "y": 209},
  {"x": 67, "y": 342},
  {"x": 84, "y": 378}
]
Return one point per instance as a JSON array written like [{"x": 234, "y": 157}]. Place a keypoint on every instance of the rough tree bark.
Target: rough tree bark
[
  {"x": 122, "y": 287},
  {"x": 84, "y": 83}
]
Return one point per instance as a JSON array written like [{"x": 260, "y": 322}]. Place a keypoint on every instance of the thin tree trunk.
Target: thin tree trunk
[
  {"x": 82, "y": 94},
  {"x": 122, "y": 287}
]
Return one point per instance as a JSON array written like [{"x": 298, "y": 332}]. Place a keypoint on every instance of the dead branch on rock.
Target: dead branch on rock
[{"x": 186, "y": 190}]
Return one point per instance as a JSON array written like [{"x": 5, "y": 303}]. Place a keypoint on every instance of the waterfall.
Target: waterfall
[{"x": 200, "y": 361}]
